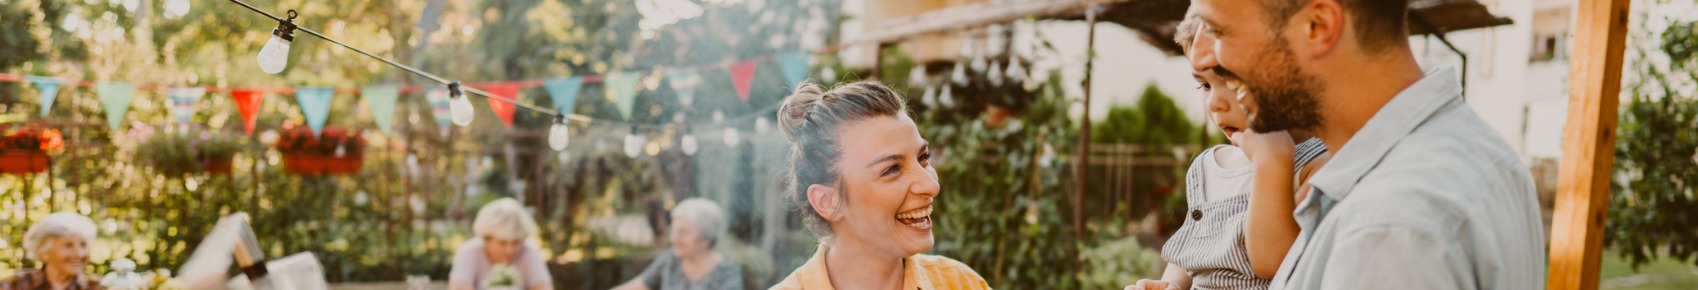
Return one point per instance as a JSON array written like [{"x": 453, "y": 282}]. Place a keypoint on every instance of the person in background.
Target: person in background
[
  {"x": 502, "y": 228},
  {"x": 60, "y": 243},
  {"x": 862, "y": 177},
  {"x": 691, "y": 263}
]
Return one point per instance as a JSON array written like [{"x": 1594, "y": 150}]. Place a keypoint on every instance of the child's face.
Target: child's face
[{"x": 1221, "y": 95}]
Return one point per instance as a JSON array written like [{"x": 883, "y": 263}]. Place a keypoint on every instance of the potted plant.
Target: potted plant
[
  {"x": 336, "y": 151},
  {"x": 25, "y": 150},
  {"x": 179, "y": 154}
]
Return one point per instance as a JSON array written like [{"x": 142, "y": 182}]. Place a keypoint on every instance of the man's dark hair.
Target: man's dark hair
[{"x": 1378, "y": 23}]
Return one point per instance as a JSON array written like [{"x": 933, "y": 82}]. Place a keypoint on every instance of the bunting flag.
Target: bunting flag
[
  {"x": 381, "y": 101},
  {"x": 49, "y": 87},
  {"x": 115, "y": 98},
  {"x": 440, "y": 108},
  {"x": 741, "y": 74},
  {"x": 795, "y": 67},
  {"x": 684, "y": 83},
  {"x": 564, "y": 92},
  {"x": 503, "y": 109},
  {"x": 315, "y": 105},
  {"x": 622, "y": 89},
  {"x": 247, "y": 103},
  {"x": 183, "y": 101}
]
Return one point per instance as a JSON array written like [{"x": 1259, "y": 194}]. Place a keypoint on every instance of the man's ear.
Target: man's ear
[
  {"x": 825, "y": 201},
  {"x": 1324, "y": 26}
]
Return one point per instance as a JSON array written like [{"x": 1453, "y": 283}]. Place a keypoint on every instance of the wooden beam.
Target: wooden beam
[
  {"x": 969, "y": 16},
  {"x": 1577, "y": 230}
]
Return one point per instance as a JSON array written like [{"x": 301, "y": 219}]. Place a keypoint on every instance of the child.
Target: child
[{"x": 1238, "y": 226}]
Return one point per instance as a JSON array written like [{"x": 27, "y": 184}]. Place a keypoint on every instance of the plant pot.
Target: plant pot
[
  {"x": 315, "y": 164},
  {"x": 217, "y": 165},
  {"x": 22, "y": 161}
]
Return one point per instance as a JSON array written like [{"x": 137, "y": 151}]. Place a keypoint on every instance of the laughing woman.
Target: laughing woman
[{"x": 862, "y": 177}]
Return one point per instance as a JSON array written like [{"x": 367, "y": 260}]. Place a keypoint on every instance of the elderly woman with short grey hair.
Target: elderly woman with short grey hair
[
  {"x": 691, "y": 263},
  {"x": 60, "y": 243},
  {"x": 502, "y": 228}
]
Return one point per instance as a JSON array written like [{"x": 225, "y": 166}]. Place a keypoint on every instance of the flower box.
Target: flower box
[
  {"x": 22, "y": 161},
  {"x": 336, "y": 151},
  {"x": 305, "y": 163}
]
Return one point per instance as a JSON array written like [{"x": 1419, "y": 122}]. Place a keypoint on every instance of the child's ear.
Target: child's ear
[{"x": 825, "y": 202}]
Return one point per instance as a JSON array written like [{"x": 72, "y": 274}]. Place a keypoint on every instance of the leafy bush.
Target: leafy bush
[
  {"x": 1656, "y": 167},
  {"x": 176, "y": 154},
  {"x": 1116, "y": 263}
]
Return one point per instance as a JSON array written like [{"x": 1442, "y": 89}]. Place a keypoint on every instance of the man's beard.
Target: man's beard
[{"x": 1284, "y": 96}]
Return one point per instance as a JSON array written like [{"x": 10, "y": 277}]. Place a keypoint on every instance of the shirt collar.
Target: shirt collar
[
  {"x": 39, "y": 280},
  {"x": 1396, "y": 119},
  {"x": 813, "y": 275}
]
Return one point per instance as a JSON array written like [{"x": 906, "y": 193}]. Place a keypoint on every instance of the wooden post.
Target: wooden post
[
  {"x": 1085, "y": 125},
  {"x": 1577, "y": 230}
]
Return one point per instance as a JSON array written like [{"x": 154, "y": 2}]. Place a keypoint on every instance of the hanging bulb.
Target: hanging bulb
[
  {"x": 917, "y": 76},
  {"x": 1016, "y": 72},
  {"x": 558, "y": 136},
  {"x": 960, "y": 74},
  {"x": 761, "y": 125},
  {"x": 341, "y": 150},
  {"x": 688, "y": 144},
  {"x": 563, "y": 156},
  {"x": 994, "y": 74},
  {"x": 718, "y": 116},
  {"x": 275, "y": 55},
  {"x": 966, "y": 47},
  {"x": 653, "y": 148},
  {"x": 460, "y": 105},
  {"x": 978, "y": 64},
  {"x": 731, "y": 137},
  {"x": 633, "y": 143},
  {"x": 827, "y": 74},
  {"x": 930, "y": 97},
  {"x": 946, "y": 98}
]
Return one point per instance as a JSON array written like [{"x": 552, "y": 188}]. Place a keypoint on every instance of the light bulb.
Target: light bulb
[
  {"x": 460, "y": 106},
  {"x": 761, "y": 125},
  {"x": 731, "y": 137},
  {"x": 917, "y": 77},
  {"x": 1016, "y": 72},
  {"x": 653, "y": 148},
  {"x": 960, "y": 74},
  {"x": 978, "y": 63},
  {"x": 688, "y": 144},
  {"x": 563, "y": 156},
  {"x": 633, "y": 144},
  {"x": 274, "y": 56},
  {"x": 718, "y": 116},
  {"x": 946, "y": 98},
  {"x": 341, "y": 151},
  {"x": 930, "y": 97},
  {"x": 558, "y": 136},
  {"x": 828, "y": 74},
  {"x": 967, "y": 47}
]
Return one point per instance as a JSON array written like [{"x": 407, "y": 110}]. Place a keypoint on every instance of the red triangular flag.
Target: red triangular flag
[
  {"x": 741, "y": 74},
  {"x": 503, "y": 109},
  {"x": 247, "y": 102}
]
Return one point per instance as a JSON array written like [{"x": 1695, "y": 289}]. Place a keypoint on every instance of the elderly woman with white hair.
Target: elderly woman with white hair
[
  {"x": 691, "y": 263},
  {"x": 60, "y": 243},
  {"x": 502, "y": 228}
]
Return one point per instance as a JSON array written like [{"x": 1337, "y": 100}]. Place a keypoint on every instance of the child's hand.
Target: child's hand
[
  {"x": 1266, "y": 147},
  {"x": 1147, "y": 284}
]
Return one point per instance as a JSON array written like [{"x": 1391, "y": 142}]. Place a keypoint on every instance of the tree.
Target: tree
[{"x": 1651, "y": 212}]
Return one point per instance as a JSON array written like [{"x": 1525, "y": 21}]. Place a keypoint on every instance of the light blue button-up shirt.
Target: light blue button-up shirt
[{"x": 1424, "y": 196}]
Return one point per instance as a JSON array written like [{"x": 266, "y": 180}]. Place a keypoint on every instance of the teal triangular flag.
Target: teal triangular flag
[
  {"x": 381, "y": 100},
  {"x": 564, "y": 92},
  {"x": 183, "y": 101},
  {"x": 315, "y": 105},
  {"x": 623, "y": 87},
  {"x": 684, "y": 84},
  {"x": 49, "y": 91},
  {"x": 794, "y": 65},
  {"x": 115, "y": 98}
]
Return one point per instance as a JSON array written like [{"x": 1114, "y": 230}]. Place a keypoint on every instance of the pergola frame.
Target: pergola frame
[{"x": 1577, "y": 229}]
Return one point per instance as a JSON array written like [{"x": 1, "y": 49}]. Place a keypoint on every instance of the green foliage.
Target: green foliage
[
  {"x": 1656, "y": 156},
  {"x": 174, "y": 154},
  {"x": 1156, "y": 121},
  {"x": 1116, "y": 263}
]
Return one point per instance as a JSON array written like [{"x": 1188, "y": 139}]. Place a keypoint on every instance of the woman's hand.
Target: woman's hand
[{"x": 1147, "y": 284}]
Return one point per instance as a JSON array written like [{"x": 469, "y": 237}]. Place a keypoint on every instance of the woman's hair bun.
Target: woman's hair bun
[{"x": 793, "y": 113}]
